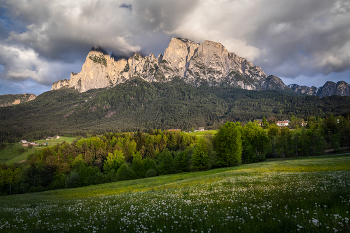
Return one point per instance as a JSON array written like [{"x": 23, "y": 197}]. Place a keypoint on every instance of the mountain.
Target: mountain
[
  {"x": 303, "y": 89},
  {"x": 137, "y": 104},
  {"x": 329, "y": 88},
  {"x": 196, "y": 64},
  {"x": 9, "y": 100}
]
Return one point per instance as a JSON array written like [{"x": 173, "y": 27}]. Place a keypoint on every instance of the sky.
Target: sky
[{"x": 301, "y": 41}]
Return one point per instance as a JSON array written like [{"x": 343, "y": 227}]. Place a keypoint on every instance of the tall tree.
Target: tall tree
[
  {"x": 200, "y": 157},
  {"x": 255, "y": 141},
  {"x": 272, "y": 132},
  {"x": 228, "y": 144}
]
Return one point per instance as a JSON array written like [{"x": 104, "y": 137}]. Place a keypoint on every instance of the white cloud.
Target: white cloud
[
  {"x": 22, "y": 64},
  {"x": 286, "y": 38}
]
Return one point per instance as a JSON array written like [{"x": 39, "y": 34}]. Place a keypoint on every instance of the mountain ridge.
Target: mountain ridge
[
  {"x": 208, "y": 62},
  {"x": 340, "y": 88},
  {"x": 14, "y": 99}
]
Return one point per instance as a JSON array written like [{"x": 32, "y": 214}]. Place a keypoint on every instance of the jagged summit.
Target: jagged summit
[
  {"x": 185, "y": 40},
  {"x": 329, "y": 88},
  {"x": 208, "y": 62}
]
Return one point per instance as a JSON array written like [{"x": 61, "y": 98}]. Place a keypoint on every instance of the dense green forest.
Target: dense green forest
[
  {"x": 140, "y": 105},
  {"x": 124, "y": 156}
]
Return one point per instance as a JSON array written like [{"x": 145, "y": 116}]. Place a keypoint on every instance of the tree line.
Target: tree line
[
  {"x": 140, "y": 105},
  {"x": 124, "y": 156}
]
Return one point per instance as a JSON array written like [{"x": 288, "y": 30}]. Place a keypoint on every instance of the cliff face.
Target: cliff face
[
  {"x": 303, "y": 89},
  {"x": 329, "y": 88},
  {"x": 9, "y": 100},
  {"x": 195, "y": 63}
]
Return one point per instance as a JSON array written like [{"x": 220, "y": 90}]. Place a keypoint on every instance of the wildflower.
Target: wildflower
[{"x": 315, "y": 222}]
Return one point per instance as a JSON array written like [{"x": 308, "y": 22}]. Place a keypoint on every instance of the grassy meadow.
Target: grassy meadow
[
  {"x": 204, "y": 133},
  {"x": 15, "y": 152},
  {"x": 310, "y": 194}
]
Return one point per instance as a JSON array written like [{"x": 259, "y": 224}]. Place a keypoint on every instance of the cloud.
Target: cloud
[
  {"x": 286, "y": 38},
  {"x": 21, "y": 64},
  {"x": 127, "y": 6}
]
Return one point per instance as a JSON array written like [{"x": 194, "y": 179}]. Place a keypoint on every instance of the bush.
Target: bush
[
  {"x": 148, "y": 164},
  {"x": 151, "y": 173},
  {"x": 58, "y": 181},
  {"x": 111, "y": 176},
  {"x": 73, "y": 180},
  {"x": 125, "y": 173}
]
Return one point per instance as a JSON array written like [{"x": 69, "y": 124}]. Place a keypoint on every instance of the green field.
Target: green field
[
  {"x": 204, "y": 133},
  {"x": 53, "y": 142},
  {"x": 12, "y": 152},
  {"x": 295, "y": 195}
]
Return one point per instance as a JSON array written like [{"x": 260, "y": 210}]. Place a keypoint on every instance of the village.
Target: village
[
  {"x": 283, "y": 123},
  {"x": 29, "y": 143}
]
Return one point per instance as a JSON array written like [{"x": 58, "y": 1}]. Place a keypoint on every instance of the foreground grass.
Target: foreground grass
[
  {"x": 295, "y": 195},
  {"x": 12, "y": 154}
]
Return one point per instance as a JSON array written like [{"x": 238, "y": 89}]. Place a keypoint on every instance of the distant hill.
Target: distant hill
[
  {"x": 9, "y": 100},
  {"x": 140, "y": 105}
]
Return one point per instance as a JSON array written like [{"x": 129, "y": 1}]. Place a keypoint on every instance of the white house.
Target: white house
[{"x": 282, "y": 123}]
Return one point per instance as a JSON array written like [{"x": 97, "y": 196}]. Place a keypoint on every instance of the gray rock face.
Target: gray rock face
[
  {"x": 303, "y": 89},
  {"x": 273, "y": 83},
  {"x": 195, "y": 63},
  {"x": 329, "y": 88}
]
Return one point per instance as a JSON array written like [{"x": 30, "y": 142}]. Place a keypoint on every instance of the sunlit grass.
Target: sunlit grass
[
  {"x": 54, "y": 141},
  {"x": 203, "y": 133},
  {"x": 294, "y": 195}
]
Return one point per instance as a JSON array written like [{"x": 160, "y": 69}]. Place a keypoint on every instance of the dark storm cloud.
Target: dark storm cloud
[
  {"x": 44, "y": 41},
  {"x": 127, "y": 6}
]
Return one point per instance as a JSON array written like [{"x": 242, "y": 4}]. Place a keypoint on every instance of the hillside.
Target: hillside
[
  {"x": 139, "y": 105},
  {"x": 9, "y": 100},
  {"x": 304, "y": 194}
]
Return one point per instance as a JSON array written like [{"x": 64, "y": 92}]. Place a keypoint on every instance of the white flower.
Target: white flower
[{"x": 315, "y": 222}]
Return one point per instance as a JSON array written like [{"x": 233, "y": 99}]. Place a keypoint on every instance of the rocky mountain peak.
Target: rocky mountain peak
[
  {"x": 303, "y": 89},
  {"x": 329, "y": 88},
  {"x": 209, "y": 62}
]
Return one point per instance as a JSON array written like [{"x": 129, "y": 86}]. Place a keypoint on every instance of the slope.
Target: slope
[{"x": 139, "y": 105}]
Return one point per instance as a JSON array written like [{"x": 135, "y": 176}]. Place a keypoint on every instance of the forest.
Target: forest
[
  {"x": 114, "y": 156},
  {"x": 137, "y": 105}
]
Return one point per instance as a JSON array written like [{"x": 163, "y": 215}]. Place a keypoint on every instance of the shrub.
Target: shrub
[
  {"x": 151, "y": 173},
  {"x": 125, "y": 173},
  {"x": 73, "y": 180}
]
